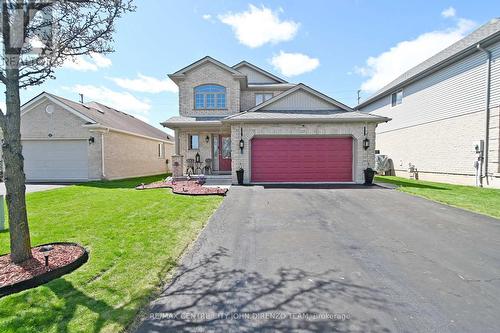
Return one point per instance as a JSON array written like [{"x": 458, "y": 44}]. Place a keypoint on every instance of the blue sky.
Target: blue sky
[{"x": 337, "y": 47}]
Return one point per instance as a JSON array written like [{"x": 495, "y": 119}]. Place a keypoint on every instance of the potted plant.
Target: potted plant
[
  {"x": 369, "y": 174},
  {"x": 239, "y": 175}
]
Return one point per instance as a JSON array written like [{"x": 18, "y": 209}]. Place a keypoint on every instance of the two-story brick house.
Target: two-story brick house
[{"x": 244, "y": 117}]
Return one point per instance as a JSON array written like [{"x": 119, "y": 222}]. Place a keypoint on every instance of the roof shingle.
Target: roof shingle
[{"x": 109, "y": 117}]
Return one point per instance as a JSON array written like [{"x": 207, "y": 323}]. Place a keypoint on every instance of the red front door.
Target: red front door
[
  {"x": 314, "y": 159},
  {"x": 224, "y": 153}
]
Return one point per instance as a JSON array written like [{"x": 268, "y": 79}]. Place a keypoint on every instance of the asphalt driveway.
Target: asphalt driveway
[{"x": 352, "y": 259}]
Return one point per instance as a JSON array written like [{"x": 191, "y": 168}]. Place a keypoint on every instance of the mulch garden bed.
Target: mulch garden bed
[
  {"x": 186, "y": 187},
  {"x": 63, "y": 258}
]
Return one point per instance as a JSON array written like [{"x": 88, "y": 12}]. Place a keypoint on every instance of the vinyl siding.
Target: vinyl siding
[
  {"x": 441, "y": 117},
  {"x": 456, "y": 90},
  {"x": 254, "y": 76},
  {"x": 247, "y": 99},
  {"x": 300, "y": 100}
]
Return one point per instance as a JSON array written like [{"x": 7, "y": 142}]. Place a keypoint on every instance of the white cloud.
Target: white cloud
[
  {"x": 122, "y": 101},
  {"x": 91, "y": 62},
  {"x": 146, "y": 84},
  {"x": 291, "y": 64},
  {"x": 206, "y": 16},
  {"x": 258, "y": 26},
  {"x": 449, "y": 12},
  {"x": 385, "y": 67}
]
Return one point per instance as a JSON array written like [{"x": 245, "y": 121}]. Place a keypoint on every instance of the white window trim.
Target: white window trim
[
  {"x": 189, "y": 142},
  {"x": 395, "y": 94},
  {"x": 216, "y": 94},
  {"x": 263, "y": 98},
  {"x": 161, "y": 150}
]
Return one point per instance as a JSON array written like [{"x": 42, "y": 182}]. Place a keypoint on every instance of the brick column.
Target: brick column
[{"x": 177, "y": 165}]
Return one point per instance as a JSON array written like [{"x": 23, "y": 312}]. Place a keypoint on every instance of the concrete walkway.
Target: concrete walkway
[{"x": 34, "y": 187}]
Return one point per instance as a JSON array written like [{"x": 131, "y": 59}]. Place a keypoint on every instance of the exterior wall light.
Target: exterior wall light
[
  {"x": 91, "y": 140},
  {"x": 242, "y": 145},
  {"x": 366, "y": 143},
  {"x": 207, "y": 139},
  {"x": 197, "y": 158}
]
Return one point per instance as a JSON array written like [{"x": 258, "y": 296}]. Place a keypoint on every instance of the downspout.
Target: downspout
[
  {"x": 487, "y": 120},
  {"x": 102, "y": 156}
]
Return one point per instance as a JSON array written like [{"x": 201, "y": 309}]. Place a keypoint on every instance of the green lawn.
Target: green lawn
[
  {"x": 134, "y": 238},
  {"x": 480, "y": 200}
]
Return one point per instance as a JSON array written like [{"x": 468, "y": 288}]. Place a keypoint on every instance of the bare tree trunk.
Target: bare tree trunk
[{"x": 20, "y": 243}]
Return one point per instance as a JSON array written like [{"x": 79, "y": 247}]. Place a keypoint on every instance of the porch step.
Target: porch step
[
  {"x": 218, "y": 180},
  {"x": 211, "y": 179}
]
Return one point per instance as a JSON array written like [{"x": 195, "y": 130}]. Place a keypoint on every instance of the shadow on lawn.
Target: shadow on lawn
[
  {"x": 129, "y": 183},
  {"x": 56, "y": 304},
  {"x": 205, "y": 296}
]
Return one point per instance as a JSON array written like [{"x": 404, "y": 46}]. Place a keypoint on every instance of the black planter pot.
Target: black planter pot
[
  {"x": 369, "y": 174},
  {"x": 239, "y": 175}
]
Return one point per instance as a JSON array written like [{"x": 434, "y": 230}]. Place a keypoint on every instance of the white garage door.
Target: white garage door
[{"x": 52, "y": 160}]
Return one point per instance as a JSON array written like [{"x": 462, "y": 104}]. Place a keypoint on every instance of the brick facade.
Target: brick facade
[
  {"x": 361, "y": 158},
  {"x": 125, "y": 155},
  {"x": 442, "y": 152},
  {"x": 241, "y": 99},
  {"x": 208, "y": 74}
]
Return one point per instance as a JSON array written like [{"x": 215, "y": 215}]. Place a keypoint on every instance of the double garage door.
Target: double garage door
[
  {"x": 306, "y": 159},
  {"x": 55, "y": 160}
]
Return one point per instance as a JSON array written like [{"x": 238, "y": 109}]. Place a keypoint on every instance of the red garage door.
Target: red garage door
[{"x": 301, "y": 159}]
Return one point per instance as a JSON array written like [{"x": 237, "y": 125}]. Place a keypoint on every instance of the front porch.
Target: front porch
[{"x": 202, "y": 151}]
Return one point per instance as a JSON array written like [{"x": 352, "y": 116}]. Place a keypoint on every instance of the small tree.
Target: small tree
[{"x": 38, "y": 36}]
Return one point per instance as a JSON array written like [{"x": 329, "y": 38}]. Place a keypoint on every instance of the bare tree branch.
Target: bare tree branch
[{"x": 37, "y": 37}]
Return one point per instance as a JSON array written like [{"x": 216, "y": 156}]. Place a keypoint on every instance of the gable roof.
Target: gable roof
[
  {"x": 484, "y": 35},
  {"x": 303, "y": 87},
  {"x": 340, "y": 112},
  {"x": 259, "y": 70},
  {"x": 100, "y": 115},
  {"x": 181, "y": 72}
]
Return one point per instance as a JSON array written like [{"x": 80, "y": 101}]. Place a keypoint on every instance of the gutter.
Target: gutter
[
  {"x": 487, "y": 117},
  {"x": 107, "y": 128},
  {"x": 306, "y": 120},
  {"x": 208, "y": 123}
]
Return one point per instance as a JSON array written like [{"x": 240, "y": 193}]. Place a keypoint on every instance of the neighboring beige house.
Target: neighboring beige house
[
  {"x": 66, "y": 141},
  {"x": 445, "y": 113},
  {"x": 277, "y": 132}
]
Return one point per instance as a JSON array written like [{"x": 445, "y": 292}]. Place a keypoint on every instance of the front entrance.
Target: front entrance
[{"x": 224, "y": 153}]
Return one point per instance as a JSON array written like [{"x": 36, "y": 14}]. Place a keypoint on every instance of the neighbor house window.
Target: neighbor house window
[
  {"x": 194, "y": 142},
  {"x": 210, "y": 96},
  {"x": 161, "y": 150},
  {"x": 397, "y": 98},
  {"x": 261, "y": 98}
]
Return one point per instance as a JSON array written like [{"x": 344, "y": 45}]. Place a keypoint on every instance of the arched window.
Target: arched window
[{"x": 210, "y": 96}]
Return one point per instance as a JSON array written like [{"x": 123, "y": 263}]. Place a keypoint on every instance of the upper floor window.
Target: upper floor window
[
  {"x": 397, "y": 97},
  {"x": 210, "y": 96},
  {"x": 261, "y": 98}
]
